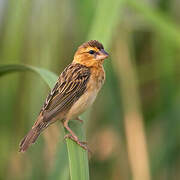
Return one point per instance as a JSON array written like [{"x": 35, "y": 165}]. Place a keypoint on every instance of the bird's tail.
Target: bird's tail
[{"x": 31, "y": 137}]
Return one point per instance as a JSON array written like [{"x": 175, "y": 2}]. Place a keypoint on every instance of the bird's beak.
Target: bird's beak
[{"x": 101, "y": 55}]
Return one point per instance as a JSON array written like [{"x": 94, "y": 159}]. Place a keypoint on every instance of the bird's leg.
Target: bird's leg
[
  {"x": 78, "y": 119},
  {"x": 73, "y": 137}
]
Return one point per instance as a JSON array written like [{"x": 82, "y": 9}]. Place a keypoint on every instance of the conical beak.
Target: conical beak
[{"x": 101, "y": 55}]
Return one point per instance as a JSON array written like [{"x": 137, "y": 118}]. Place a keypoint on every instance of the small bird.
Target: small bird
[{"x": 74, "y": 91}]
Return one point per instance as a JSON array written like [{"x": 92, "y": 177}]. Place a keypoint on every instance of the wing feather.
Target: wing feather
[{"x": 71, "y": 84}]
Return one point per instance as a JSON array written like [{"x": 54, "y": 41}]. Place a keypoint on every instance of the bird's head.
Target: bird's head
[{"x": 90, "y": 53}]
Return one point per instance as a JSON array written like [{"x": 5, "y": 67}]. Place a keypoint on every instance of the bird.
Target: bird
[{"x": 75, "y": 91}]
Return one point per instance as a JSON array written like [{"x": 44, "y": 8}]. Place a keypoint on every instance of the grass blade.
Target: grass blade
[
  {"x": 161, "y": 24},
  {"x": 78, "y": 158},
  {"x": 49, "y": 77}
]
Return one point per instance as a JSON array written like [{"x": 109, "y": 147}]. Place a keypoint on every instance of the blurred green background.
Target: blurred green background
[{"x": 133, "y": 128}]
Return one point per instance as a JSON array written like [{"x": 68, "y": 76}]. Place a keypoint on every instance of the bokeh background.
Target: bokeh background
[{"x": 133, "y": 128}]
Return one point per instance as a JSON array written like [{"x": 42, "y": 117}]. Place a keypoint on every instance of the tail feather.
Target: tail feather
[
  {"x": 32, "y": 136},
  {"x": 29, "y": 139}
]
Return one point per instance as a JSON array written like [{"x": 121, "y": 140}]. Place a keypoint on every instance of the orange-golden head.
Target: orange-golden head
[{"x": 90, "y": 53}]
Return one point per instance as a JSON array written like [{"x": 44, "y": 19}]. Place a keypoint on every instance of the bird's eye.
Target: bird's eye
[{"x": 91, "y": 52}]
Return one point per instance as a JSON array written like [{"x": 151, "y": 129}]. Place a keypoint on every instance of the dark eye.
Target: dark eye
[{"x": 91, "y": 52}]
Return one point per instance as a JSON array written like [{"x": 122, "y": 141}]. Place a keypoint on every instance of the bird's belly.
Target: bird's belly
[{"x": 82, "y": 104}]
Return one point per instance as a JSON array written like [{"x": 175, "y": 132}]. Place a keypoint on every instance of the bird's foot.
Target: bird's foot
[
  {"x": 76, "y": 140},
  {"x": 78, "y": 119}
]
